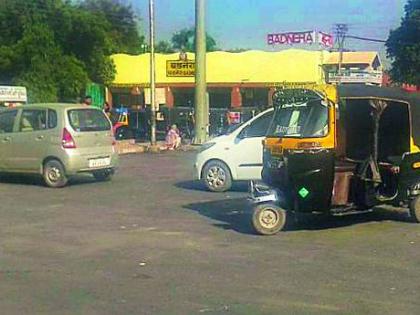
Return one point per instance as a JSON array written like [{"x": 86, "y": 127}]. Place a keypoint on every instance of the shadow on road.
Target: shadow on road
[
  {"x": 198, "y": 185},
  {"x": 34, "y": 180},
  {"x": 232, "y": 213},
  {"x": 235, "y": 214}
]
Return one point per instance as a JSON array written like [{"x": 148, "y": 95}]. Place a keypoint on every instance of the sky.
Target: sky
[{"x": 246, "y": 23}]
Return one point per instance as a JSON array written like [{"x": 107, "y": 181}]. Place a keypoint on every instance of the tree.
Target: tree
[
  {"x": 403, "y": 46},
  {"x": 55, "y": 47},
  {"x": 184, "y": 40},
  {"x": 164, "y": 47},
  {"x": 123, "y": 24}
]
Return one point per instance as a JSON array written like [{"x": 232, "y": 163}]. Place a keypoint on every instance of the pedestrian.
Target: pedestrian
[
  {"x": 87, "y": 100},
  {"x": 173, "y": 138}
]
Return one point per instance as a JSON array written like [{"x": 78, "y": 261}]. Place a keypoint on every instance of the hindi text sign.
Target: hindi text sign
[
  {"x": 180, "y": 68},
  {"x": 13, "y": 94}
]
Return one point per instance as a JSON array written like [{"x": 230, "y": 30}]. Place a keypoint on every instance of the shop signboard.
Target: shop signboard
[
  {"x": 180, "y": 68},
  {"x": 13, "y": 94},
  {"x": 307, "y": 37}
]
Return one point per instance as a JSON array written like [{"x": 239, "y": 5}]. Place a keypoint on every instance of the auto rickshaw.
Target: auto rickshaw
[{"x": 338, "y": 150}]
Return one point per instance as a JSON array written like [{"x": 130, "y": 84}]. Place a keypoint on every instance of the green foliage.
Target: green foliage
[
  {"x": 55, "y": 47},
  {"x": 164, "y": 47},
  {"x": 403, "y": 46},
  {"x": 184, "y": 40}
]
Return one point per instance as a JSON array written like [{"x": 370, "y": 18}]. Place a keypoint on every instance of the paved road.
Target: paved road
[{"x": 153, "y": 242}]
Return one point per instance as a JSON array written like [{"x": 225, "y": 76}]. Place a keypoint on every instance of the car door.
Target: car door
[
  {"x": 248, "y": 147},
  {"x": 29, "y": 143},
  {"x": 7, "y": 123}
]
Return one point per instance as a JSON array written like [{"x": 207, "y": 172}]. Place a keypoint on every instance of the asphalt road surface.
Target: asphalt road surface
[{"x": 154, "y": 242}]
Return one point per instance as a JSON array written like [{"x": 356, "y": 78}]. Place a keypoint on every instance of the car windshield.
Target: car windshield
[
  {"x": 88, "y": 120},
  {"x": 305, "y": 120}
]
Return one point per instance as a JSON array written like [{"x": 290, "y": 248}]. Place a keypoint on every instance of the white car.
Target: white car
[{"x": 233, "y": 156}]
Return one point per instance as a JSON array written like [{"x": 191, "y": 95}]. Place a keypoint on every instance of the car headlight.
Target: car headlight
[{"x": 206, "y": 146}]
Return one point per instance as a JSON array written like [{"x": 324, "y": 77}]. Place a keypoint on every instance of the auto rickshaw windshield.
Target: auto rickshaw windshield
[{"x": 304, "y": 120}]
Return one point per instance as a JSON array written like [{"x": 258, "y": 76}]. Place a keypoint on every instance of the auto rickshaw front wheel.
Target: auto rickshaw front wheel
[
  {"x": 268, "y": 219},
  {"x": 415, "y": 209}
]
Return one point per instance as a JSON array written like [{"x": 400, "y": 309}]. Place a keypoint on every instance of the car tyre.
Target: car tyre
[
  {"x": 415, "y": 209},
  {"x": 269, "y": 219},
  {"x": 54, "y": 174},
  {"x": 103, "y": 176},
  {"x": 217, "y": 177}
]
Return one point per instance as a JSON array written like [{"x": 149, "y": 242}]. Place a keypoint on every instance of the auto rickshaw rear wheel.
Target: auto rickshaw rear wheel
[
  {"x": 415, "y": 209},
  {"x": 268, "y": 219}
]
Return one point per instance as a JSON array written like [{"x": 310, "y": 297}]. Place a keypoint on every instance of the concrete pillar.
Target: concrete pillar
[
  {"x": 169, "y": 97},
  {"x": 235, "y": 97}
]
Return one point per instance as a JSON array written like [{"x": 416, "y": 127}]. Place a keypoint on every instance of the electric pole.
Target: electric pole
[
  {"x": 340, "y": 31},
  {"x": 152, "y": 73},
  {"x": 201, "y": 104}
]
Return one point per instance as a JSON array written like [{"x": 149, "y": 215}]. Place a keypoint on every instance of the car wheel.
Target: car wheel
[
  {"x": 269, "y": 219},
  {"x": 102, "y": 176},
  {"x": 216, "y": 176},
  {"x": 54, "y": 174},
  {"x": 415, "y": 209}
]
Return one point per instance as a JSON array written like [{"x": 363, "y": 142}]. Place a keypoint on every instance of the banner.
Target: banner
[
  {"x": 13, "y": 94},
  {"x": 308, "y": 37},
  {"x": 180, "y": 68}
]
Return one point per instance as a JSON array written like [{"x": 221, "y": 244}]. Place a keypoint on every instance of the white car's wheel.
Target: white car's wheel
[{"x": 216, "y": 176}]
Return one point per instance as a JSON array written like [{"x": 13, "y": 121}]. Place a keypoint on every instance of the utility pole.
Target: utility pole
[
  {"x": 152, "y": 73},
  {"x": 201, "y": 104},
  {"x": 340, "y": 31}
]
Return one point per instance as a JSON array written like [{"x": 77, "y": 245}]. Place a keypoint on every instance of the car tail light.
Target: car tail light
[{"x": 67, "y": 140}]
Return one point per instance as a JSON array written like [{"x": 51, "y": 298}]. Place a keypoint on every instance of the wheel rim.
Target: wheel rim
[
  {"x": 269, "y": 218},
  {"x": 54, "y": 174},
  {"x": 216, "y": 177}
]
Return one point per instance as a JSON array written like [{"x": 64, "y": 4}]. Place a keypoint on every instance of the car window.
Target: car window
[
  {"x": 258, "y": 128},
  {"x": 52, "y": 119},
  {"x": 33, "y": 120},
  {"x": 88, "y": 120},
  {"x": 7, "y": 120}
]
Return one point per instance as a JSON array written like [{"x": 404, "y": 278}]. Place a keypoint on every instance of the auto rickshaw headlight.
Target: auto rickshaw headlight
[{"x": 416, "y": 165}]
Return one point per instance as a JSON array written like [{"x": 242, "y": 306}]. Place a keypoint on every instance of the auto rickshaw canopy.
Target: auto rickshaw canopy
[{"x": 387, "y": 94}]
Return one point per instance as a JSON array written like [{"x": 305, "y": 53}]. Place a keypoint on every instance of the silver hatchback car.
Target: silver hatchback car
[{"x": 57, "y": 141}]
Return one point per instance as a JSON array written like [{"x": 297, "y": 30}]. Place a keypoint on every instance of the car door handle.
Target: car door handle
[
  {"x": 39, "y": 138},
  {"x": 6, "y": 139}
]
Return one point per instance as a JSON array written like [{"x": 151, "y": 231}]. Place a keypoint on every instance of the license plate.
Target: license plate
[{"x": 99, "y": 162}]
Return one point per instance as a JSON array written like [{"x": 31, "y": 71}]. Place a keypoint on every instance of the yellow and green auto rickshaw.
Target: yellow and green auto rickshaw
[{"x": 338, "y": 150}]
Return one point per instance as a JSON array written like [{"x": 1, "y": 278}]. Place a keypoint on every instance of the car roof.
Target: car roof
[{"x": 53, "y": 106}]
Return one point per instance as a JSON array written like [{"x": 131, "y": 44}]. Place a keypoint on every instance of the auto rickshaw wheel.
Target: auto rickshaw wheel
[
  {"x": 268, "y": 219},
  {"x": 415, "y": 209}
]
